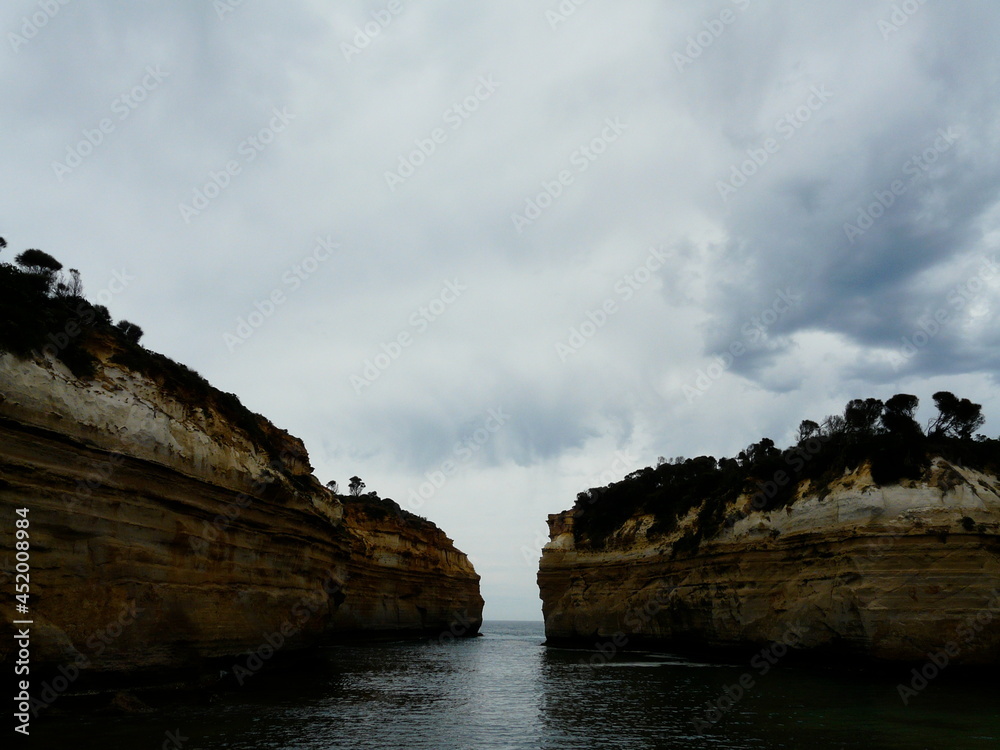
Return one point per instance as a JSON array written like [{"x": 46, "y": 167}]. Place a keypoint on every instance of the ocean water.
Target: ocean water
[{"x": 506, "y": 691}]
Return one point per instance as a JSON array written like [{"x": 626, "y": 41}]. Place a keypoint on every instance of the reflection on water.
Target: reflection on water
[{"x": 505, "y": 691}]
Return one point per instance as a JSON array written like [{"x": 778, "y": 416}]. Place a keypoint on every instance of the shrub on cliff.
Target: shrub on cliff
[
  {"x": 884, "y": 436},
  {"x": 130, "y": 331},
  {"x": 43, "y": 314},
  {"x": 188, "y": 386},
  {"x": 380, "y": 509},
  {"x": 23, "y": 311}
]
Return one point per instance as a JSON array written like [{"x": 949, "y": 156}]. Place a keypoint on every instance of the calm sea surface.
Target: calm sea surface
[{"x": 505, "y": 691}]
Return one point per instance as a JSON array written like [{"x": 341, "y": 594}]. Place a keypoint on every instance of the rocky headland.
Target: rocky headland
[
  {"x": 812, "y": 549},
  {"x": 171, "y": 528}
]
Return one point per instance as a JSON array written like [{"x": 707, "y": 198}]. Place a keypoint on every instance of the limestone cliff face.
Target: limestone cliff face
[
  {"x": 893, "y": 573},
  {"x": 165, "y": 532},
  {"x": 405, "y": 573}
]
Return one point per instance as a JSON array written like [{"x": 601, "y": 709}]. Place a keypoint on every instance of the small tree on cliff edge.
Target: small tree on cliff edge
[
  {"x": 37, "y": 261},
  {"x": 807, "y": 429},
  {"x": 898, "y": 417},
  {"x": 356, "y": 486},
  {"x": 957, "y": 417}
]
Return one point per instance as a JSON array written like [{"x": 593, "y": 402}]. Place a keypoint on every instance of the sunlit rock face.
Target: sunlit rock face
[
  {"x": 855, "y": 570},
  {"x": 163, "y": 533}
]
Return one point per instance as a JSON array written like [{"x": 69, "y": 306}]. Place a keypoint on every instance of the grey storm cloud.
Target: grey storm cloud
[
  {"x": 821, "y": 178},
  {"x": 894, "y": 178}
]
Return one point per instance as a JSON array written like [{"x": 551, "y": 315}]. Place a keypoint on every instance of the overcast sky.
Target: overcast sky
[{"x": 545, "y": 242}]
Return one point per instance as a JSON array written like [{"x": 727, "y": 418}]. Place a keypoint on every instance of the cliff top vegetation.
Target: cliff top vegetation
[
  {"x": 884, "y": 435},
  {"x": 43, "y": 312}
]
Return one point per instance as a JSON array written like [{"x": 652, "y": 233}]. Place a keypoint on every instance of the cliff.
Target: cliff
[
  {"x": 169, "y": 526},
  {"x": 851, "y": 568}
]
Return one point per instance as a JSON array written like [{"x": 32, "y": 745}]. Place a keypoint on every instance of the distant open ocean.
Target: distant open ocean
[{"x": 506, "y": 691}]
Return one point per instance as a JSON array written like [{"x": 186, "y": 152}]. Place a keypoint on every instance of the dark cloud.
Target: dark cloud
[{"x": 767, "y": 268}]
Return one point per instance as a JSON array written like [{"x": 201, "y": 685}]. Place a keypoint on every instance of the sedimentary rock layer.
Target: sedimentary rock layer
[
  {"x": 888, "y": 573},
  {"x": 163, "y": 534}
]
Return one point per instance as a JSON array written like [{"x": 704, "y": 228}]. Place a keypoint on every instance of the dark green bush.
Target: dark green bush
[
  {"x": 884, "y": 436},
  {"x": 37, "y": 319}
]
